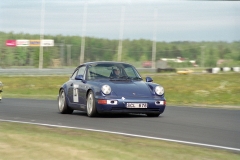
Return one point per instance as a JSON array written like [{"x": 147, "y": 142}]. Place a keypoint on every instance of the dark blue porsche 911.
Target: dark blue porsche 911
[{"x": 110, "y": 87}]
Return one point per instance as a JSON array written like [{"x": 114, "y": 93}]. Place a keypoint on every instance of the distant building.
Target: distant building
[
  {"x": 178, "y": 60},
  {"x": 221, "y": 61}
]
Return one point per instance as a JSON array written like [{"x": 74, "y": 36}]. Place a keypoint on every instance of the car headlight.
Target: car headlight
[
  {"x": 106, "y": 89},
  {"x": 159, "y": 90}
]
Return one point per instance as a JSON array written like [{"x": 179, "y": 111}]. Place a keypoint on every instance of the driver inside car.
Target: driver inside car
[{"x": 115, "y": 73}]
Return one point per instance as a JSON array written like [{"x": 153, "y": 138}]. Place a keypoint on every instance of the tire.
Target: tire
[
  {"x": 91, "y": 108},
  {"x": 62, "y": 103},
  {"x": 153, "y": 114}
]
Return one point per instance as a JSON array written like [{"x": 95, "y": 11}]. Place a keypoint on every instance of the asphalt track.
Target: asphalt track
[{"x": 211, "y": 127}]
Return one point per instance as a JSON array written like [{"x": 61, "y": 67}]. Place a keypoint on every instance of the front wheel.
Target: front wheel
[
  {"x": 91, "y": 108},
  {"x": 62, "y": 103}
]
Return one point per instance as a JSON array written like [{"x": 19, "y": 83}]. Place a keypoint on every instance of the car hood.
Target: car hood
[{"x": 130, "y": 88}]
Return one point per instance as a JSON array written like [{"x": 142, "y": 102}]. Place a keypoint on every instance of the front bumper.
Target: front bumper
[{"x": 119, "y": 106}]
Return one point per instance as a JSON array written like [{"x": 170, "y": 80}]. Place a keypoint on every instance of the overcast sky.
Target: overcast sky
[{"x": 167, "y": 20}]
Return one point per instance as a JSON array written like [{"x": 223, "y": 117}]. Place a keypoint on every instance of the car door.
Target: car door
[
  {"x": 76, "y": 87},
  {"x": 70, "y": 85},
  {"x": 80, "y": 86}
]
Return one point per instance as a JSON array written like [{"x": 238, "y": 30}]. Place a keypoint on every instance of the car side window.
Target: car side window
[
  {"x": 81, "y": 71},
  {"x": 74, "y": 74}
]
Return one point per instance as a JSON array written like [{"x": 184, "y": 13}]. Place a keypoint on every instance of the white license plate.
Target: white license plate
[{"x": 136, "y": 105}]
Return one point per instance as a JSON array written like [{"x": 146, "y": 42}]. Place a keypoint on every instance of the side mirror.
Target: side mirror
[
  {"x": 79, "y": 77},
  {"x": 149, "y": 79}
]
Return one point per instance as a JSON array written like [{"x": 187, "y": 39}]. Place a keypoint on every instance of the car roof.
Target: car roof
[{"x": 104, "y": 62}]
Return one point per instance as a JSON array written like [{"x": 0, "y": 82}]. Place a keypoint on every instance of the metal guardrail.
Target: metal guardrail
[
  {"x": 61, "y": 71},
  {"x": 69, "y": 71},
  {"x": 36, "y": 71}
]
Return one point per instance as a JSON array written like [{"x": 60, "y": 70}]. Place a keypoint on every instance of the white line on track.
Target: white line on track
[{"x": 127, "y": 134}]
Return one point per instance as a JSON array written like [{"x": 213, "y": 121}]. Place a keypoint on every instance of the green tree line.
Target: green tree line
[{"x": 67, "y": 50}]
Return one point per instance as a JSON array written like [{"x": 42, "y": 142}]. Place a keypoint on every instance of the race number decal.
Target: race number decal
[{"x": 75, "y": 93}]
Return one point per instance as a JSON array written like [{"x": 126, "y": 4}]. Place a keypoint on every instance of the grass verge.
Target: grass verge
[
  {"x": 25, "y": 141},
  {"x": 192, "y": 89}
]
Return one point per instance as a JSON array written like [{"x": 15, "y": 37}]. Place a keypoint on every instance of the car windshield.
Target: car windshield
[{"x": 112, "y": 71}]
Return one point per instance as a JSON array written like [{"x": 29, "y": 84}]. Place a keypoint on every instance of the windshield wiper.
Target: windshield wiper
[
  {"x": 121, "y": 78},
  {"x": 124, "y": 77},
  {"x": 137, "y": 78}
]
